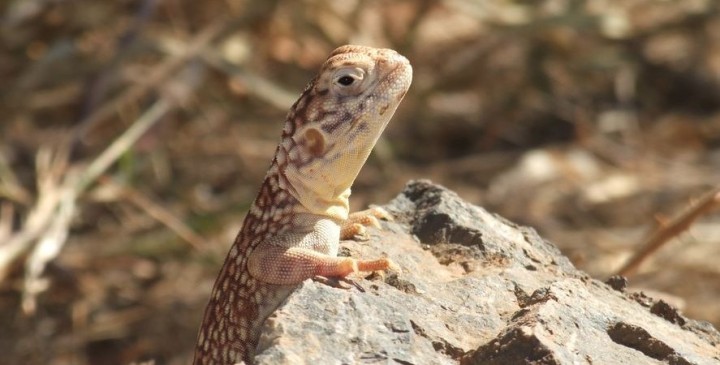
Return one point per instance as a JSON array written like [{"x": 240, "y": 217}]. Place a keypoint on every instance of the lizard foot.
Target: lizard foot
[
  {"x": 355, "y": 226},
  {"x": 337, "y": 275},
  {"x": 349, "y": 266}
]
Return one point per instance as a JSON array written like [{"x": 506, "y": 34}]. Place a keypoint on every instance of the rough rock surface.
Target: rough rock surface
[{"x": 475, "y": 289}]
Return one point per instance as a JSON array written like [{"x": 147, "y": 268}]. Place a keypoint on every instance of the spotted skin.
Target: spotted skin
[{"x": 293, "y": 229}]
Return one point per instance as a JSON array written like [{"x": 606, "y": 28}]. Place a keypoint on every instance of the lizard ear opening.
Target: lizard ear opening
[{"x": 314, "y": 142}]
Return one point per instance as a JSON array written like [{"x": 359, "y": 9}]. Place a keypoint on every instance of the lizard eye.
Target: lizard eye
[
  {"x": 349, "y": 80},
  {"x": 346, "y": 80}
]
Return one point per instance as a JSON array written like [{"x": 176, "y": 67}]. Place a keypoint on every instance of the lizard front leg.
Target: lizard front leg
[{"x": 287, "y": 266}]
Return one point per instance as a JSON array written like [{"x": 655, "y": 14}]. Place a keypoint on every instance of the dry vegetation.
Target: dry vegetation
[{"x": 134, "y": 134}]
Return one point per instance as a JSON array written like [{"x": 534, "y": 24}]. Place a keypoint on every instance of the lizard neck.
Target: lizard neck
[
  {"x": 331, "y": 205},
  {"x": 315, "y": 193}
]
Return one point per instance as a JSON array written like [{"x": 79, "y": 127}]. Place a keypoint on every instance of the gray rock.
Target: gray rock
[{"x": 475, "y": 289}]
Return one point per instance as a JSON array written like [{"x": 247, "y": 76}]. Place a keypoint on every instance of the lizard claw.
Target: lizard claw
[
  {"x": 354, "y": 226},
  {"x": 358, "y": 232},
  {"x": 338, "y": 282},
  {"x": 380, "y": 213}
]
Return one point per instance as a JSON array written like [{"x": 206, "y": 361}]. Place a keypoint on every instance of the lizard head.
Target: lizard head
[{"x": 332, "y": 128}]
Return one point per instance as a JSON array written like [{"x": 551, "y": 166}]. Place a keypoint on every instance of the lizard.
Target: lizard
[{"x": 293, "y": 228}]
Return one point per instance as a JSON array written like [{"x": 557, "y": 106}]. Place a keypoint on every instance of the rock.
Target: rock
[{"x": 475, "y": 289}]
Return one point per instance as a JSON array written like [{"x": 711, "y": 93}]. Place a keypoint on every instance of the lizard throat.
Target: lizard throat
[
  {"x": 317, "y": 198},
  {"x": 321, "y": 183},
  {"x": 319, "y": 189}
]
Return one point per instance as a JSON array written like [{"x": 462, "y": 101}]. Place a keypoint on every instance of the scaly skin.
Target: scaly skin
[{"x": 293, "y": 229}]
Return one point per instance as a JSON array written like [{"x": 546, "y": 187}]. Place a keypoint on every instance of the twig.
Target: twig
[
  {"x": 63, "y": 187},
  {"x": 6, "y": 220},
  {"x": 159, "y": 213},
  {"x": 10, "y": 186},
  {"x": 156, "y": 77},
  {"x": 264, "y": 89},
  {"x": 707, "y": 203},
  {"x": 39, "y": 217},
  {"x": 47, "y": 248},
  {"x": 122, "y": 144},
  {"x": 53, "y": 195},
  {"x": 59, "y": 185},
  {"x": 96, "y": 88},
  {"x": 52, "y": 228}
]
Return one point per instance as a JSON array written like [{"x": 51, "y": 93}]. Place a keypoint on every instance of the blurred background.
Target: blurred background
[{"x": 135, "y": 133}]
